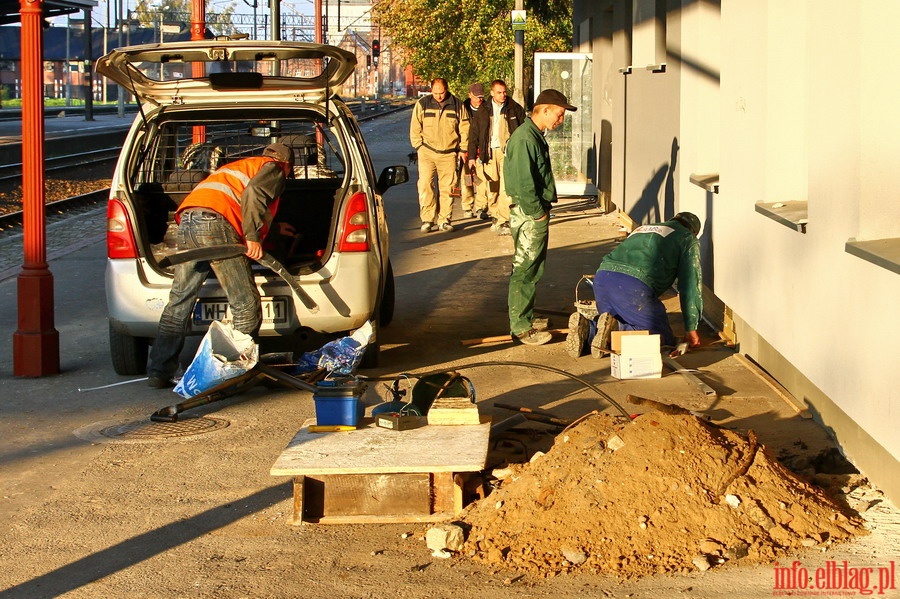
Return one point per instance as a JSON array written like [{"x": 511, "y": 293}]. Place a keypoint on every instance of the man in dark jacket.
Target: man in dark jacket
[
  {"x": 489, "y": 133},
  {"x": 471, "y": 190},
  {"x": 631, "y": 278}
]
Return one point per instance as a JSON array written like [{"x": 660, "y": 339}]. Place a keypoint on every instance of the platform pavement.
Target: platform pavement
[{"x": 63, "y": 237}]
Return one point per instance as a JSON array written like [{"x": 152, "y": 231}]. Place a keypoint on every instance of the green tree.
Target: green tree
[
  {"x": 179, "y": 11},
  {"x": 466, "y": 42}
]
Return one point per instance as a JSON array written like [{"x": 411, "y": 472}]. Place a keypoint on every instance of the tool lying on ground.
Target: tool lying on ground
[
  {"x": 688, "y": 374},
  {"x": 220, "y": 252},
  {"x": 331, "y": 428},
  {"x": 238, "y": 384},
  {"x": 672, "y": 409},
  {"x": 504, "y": 338},
  {"x": 536, "y": 414}
]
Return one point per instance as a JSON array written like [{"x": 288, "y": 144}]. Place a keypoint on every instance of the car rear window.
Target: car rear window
[{"x": 180, "y": 153}]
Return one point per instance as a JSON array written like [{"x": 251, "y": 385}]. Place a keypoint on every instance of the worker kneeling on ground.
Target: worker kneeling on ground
[{"x": 632, "y": 277}]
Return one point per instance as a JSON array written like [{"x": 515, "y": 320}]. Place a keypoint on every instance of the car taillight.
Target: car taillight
[
  {"x": 120, "y": 241},
  {"x": 355, "y": 231}
]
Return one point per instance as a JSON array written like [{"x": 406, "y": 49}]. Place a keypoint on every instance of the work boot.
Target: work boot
[
  {"x": 504, "y": 229},
  {"x": 158, "y": 382},
  {"x": 482, "y": 215},
  {"x": 468, "y": 214},
  {"x": 579, "y": 327},
  {"x": 606, "y": 324},
  {"x": 428, "y": 227},
  {"x": 445, "y": 227},
  {"x": 533, "y": 337}
]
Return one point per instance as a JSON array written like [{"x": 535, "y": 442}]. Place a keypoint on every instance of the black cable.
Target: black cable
[{"x": 590, "y": 386}]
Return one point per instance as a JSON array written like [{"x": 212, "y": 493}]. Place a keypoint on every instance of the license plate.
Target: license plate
[{"x": 274, "y": 311}]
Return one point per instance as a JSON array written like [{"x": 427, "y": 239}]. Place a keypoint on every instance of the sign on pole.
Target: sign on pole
[{"x": 518, "y": 20}]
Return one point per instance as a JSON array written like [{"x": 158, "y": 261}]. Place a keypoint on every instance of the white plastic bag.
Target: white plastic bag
[{"x": 224, "y": 353}]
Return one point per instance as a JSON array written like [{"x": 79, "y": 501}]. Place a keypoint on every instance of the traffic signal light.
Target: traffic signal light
[{"x": 376, "y": 48}]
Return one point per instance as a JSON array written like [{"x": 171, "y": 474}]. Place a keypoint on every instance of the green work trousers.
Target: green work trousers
[{"x": 530, "y": 241}]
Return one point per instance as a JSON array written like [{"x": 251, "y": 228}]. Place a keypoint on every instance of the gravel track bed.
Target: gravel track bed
[{"x": 59, "y": 185}]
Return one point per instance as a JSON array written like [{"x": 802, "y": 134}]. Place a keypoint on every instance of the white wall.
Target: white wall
[
  {"x": 786, "y": 100},
  {"x": 809, "y": 111}
]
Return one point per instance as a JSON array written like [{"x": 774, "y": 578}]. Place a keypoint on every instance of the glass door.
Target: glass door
[{"x": 571, "y": 144}]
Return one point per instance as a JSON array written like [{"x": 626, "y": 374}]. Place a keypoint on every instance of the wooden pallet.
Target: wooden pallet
[{"x": 374, "y": 474}]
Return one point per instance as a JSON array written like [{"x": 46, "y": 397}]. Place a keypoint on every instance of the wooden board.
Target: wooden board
[
  {"x": 375, "y": 450},
  {"x": 454, "y": 411}
]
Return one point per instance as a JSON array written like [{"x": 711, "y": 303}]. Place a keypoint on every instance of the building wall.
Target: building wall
[{"x": 784, "y": 101}]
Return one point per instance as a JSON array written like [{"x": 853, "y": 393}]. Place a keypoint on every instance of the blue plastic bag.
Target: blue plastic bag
[{"x": 339, "y": 357}]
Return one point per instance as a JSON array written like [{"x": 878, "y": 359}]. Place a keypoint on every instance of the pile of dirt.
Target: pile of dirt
[{"x": 664, "y": 493}]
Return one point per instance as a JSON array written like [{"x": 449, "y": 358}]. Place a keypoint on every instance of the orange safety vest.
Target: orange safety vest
[{"x": 221, "y": 191}]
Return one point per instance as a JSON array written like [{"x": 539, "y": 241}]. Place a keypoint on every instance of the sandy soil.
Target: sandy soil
[{"x": 663, "y": 493}]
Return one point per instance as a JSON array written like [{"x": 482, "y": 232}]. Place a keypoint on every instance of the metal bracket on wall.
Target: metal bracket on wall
[
  {"x": 709, "y": 182},
  {"x": 657, "y": 68},
  {"x": 625, "y": 70}
]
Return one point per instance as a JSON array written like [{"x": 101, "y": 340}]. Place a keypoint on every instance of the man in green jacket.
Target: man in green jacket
[
  {"x": 531, "y": 189},
  {"x": 631, "y": 278}
]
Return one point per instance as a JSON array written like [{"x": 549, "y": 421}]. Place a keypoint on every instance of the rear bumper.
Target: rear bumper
[{"x": 345, "y": 290}]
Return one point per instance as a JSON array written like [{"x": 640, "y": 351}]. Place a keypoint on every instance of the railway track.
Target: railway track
[
  {"x": 11, "y": 172},
  {"x": 58, "y": 209}
]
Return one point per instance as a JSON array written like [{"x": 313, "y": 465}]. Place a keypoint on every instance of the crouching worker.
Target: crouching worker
[
  {"x": 632, "y": 277},
  {"x": 234, "y": 205}
]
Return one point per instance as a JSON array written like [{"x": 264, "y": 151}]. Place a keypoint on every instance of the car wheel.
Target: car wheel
[
  {"x": 386, "y": 308},
  {"x": 129, "y": 354}
]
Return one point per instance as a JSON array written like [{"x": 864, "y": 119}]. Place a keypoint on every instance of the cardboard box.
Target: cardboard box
[
  {"x": 615, "y": 340},
  {"x": 638, "y": 355}
]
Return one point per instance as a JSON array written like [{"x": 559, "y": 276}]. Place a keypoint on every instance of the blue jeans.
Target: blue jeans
[
  {"x": 530, "y": 238},
  {"x": 633, "y": 304},
  {"x": 203, "y": 228}
]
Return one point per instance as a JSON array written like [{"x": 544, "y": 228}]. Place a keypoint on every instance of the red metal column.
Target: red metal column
[
  {"x": 198, "y": 32},
  {"x": 321, "y": 25},
  {"x": 36, "y": 342}
]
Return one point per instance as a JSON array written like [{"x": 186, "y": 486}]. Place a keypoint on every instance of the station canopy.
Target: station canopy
[{"x": 9, "y": 9}]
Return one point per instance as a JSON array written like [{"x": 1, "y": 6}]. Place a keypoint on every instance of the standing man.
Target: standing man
[
  {"x": 234, "y": 205},
  {"x": 631, "y": 278},
  {"x": 439, "y": 132},
  {"x": 532, "y": 189},
  {"x": 489, "y": 134},
  {"x": 472, "y": 197}
]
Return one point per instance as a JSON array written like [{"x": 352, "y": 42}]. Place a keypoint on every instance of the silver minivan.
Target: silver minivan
[{"x": 203, "y": 104}]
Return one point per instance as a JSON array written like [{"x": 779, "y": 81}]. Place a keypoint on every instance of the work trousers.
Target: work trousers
[
  {"x": 203, "y": 228},
  {"x": 497, "y": 200},
  {"x": 630, "y": 301},
  {"x": 530, "y": 240},
  {"x": 443, "y": 166},
  {"x": 474, "y": 197}
]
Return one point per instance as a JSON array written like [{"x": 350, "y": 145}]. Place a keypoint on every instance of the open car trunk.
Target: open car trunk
[{"x": 171, "y": 164}]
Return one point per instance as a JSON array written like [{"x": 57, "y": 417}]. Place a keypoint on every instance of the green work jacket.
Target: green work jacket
[
  {"x": 659, "y": 254},
  {"x": 527, "y": 177}
]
